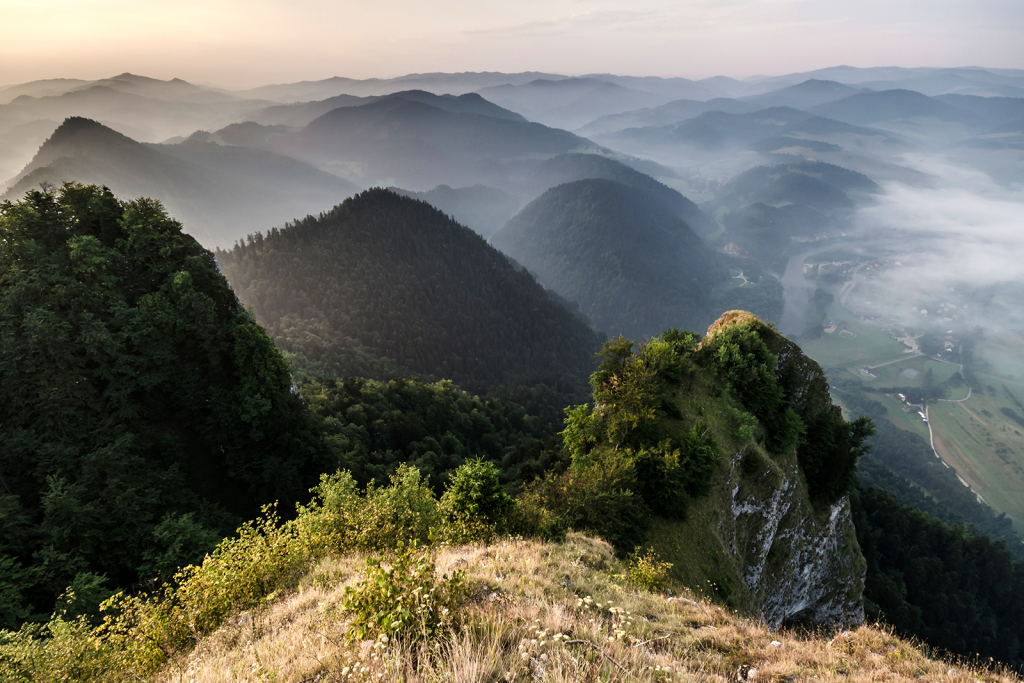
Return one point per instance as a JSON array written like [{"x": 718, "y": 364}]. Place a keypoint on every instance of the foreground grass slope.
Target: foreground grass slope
[{"x": 544, "y": 611}]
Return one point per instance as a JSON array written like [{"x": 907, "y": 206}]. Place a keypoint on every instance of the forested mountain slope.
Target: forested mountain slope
[
  {"x": 384, "y": 285},
  {"x": 142, "y": 411},
  {"x": 633, "y": 266}
]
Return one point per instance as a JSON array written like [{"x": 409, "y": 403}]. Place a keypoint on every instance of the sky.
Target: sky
[{"x": 245, "y": 43}]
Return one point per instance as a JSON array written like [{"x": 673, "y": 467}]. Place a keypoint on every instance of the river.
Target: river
[{"x": 794, "y": 312}]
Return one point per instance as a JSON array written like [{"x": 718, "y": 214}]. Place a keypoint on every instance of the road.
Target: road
[{"x": 931, "y": 435}]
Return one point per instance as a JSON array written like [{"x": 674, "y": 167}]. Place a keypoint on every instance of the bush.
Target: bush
[
  {"x": 828, "y": 455},
  {"x": 598, "y": 499},
  {"x": 646, "y": 570},
  {"x": 239, "y": 574},
  {"x": 405, "y": 601},
  {"x": 339, "y": 519},
  {"x": 476, "y": 497},
  {"x": 740, "y": 357},
  {"x": 60, "y": 650},
  {"x": 740, "y": 424}
]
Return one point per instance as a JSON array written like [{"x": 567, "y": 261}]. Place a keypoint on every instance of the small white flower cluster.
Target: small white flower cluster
[
  {"x": 358, "y": 669},
  {"x": 661, "y": 672},
  {"x": 620, "y": 618},
  {"x": 540, "y": 640}
]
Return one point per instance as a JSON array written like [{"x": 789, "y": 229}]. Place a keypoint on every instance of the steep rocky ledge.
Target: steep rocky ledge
[{"x": 757, "y": 542}]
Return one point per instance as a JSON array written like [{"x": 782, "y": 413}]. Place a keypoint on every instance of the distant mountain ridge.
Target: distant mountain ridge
[
  {"x": 804, "y": 95},
  {"x": 221, "y": 192},
  {"x": 874, "y": 107},
  {"x": 416, "y": 144}
]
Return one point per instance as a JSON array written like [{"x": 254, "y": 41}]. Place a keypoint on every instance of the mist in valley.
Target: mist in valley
[
  {"x": 963, "y": 232},
  {"x": 419, "y": 240}
]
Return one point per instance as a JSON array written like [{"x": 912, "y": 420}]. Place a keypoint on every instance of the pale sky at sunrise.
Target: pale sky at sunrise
[{"x": 243, "y": 43}]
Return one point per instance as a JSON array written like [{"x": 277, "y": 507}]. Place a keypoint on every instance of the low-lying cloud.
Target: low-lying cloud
[{"x": 962, "y": 234}]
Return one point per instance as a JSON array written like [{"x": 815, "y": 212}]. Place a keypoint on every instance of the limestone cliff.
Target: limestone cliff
[{"x": 757, "y": 542}]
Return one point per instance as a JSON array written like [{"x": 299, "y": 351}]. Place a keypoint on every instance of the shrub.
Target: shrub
[
  {"x": 406, "y": 601},
  {"x": 741, "y": 424},
  {"x": 339, "y": 519},
  {"x": 60, "y": 650},
  {"x": 531, "y": 516},
  {"x": 475, "y": 495},
  {"x": 646, "y": 570},
  {"x": 829, "y": 452},
  {"x": 598, "y": 499},
  {"x": 240, "y": 573}
]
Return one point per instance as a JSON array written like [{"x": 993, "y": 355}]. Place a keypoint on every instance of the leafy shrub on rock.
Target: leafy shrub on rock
[{"x": 789, "y": 395}]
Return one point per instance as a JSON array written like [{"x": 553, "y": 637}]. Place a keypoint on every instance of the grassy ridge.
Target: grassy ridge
[{"x": 525, "y": 593}]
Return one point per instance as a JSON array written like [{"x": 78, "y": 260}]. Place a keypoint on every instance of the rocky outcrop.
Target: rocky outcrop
[
  {"x": 758, "y": 541},
  {"x": 796, "y": 563}
]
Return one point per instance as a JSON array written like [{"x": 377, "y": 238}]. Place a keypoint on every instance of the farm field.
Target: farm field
[
  {"x": 853, "y": 343},
  {"x": 985, "y": 447},
  {"x": 983, "y": 437}
]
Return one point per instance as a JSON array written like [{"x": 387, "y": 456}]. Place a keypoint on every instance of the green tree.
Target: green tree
[
  {"x": 133, "y": 387},
  {"x": 476, "y": 492}
]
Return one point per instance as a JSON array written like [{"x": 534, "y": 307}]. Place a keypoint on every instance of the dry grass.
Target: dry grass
[{"x": 546, "y": 612}]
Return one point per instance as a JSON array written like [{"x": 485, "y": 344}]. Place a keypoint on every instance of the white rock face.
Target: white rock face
[{"x": 798, "y": 562}]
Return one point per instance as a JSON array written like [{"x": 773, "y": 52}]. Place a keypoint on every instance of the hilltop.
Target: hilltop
[
  {"x": 566, "y": 168},
  {"x": 480, "y": 208},
  {"x": 632, "y": 265},
  {"x": 385, "y": 285}
]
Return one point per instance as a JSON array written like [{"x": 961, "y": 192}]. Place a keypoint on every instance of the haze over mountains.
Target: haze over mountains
[
  {"x": 739, "y": 162},
  {"x": 491, "y": 230},
  {"x": 482, "y": 146}
]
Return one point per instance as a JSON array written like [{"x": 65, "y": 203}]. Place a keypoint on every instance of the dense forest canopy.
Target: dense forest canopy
[
  {"x": 956, "y": 591},
  {"x": 144, "y": 412},
  {"x": 374, "y": 427},
  {"x": 384, "y": 286}
]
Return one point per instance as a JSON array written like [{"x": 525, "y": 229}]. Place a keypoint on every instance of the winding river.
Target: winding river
[{"x": 794, "y": 311}]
